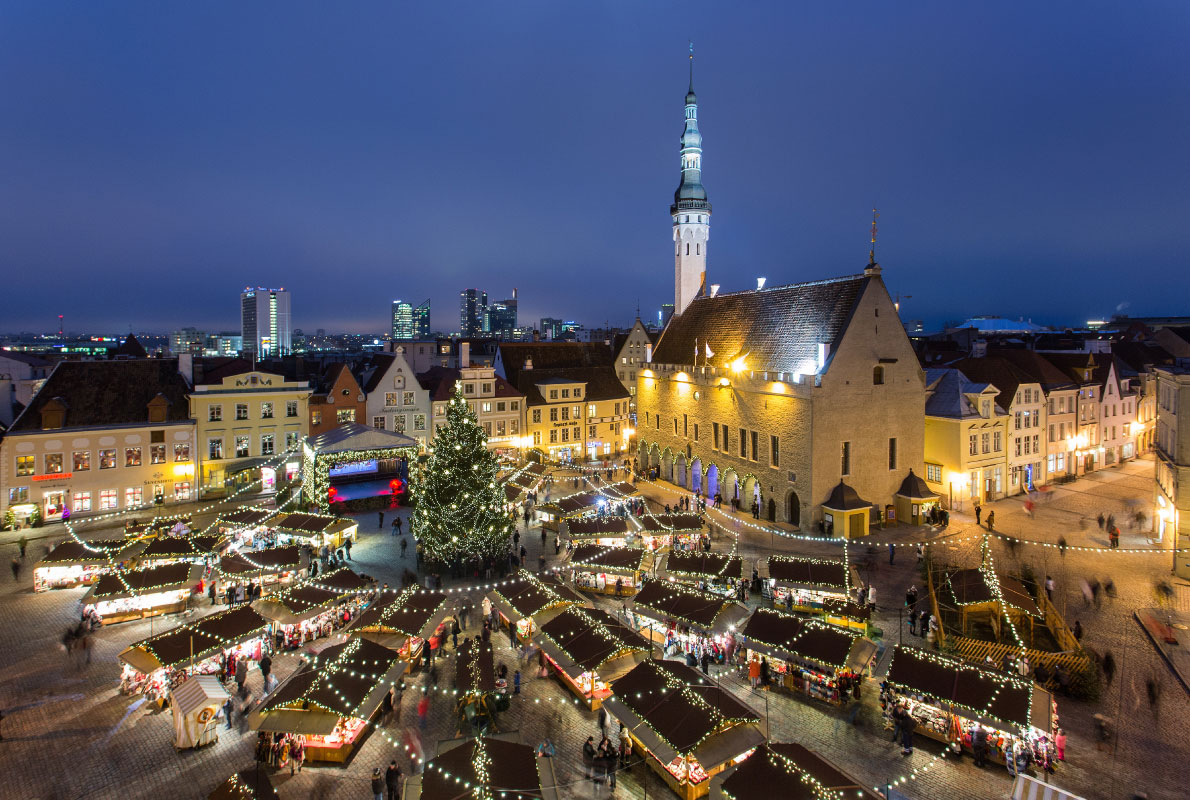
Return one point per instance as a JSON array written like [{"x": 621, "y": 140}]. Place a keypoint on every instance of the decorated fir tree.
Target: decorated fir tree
[{"x": 460, "y": 506}]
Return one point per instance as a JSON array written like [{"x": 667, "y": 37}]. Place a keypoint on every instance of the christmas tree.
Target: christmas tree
[{"x": 460, "y": 507}]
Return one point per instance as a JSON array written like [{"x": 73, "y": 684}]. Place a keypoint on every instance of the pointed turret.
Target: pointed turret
[{"x": 691, "y": 211}]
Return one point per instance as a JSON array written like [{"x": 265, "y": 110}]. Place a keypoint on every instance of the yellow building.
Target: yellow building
[
  {"x": 966, "y": 435},
  {"x": 246, "y": 419}
]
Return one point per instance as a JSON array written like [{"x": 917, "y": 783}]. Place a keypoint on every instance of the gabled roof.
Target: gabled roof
[
  {"x": 440, "y": 381},
  {"x": 373, "y": 371},
  {"x": 213, "y": 371},
  {"x": 106, "y": 393},
  {"x": 775, "y": 329},
  {"x": 554, "y": 355},
  {"x": 998, "y": 371},
  {"x": 129, "y": 348},
  {"x": 356, "y": 436},
  {"x": 1037, "y": 367},
  {"x": 1134, "y": 358},
  {"x": 948, "y": 391},
  {"x": 1073, "y": 365}
]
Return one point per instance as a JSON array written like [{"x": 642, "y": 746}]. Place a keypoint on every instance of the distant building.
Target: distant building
[
  {"x": 1171, "y": 504},
  {"x": 500, "y": 317},
  {"x": 633, "y": 350},
  {"x": 551, "y": 328},
  {"x": 473, "y": 305},
  {"x": 421, "y": 320},
  {"x": 265, "y": 322},
  {"x": 187, "y": 340},
  {"x": 664, "y": 314},
  {"x": 402, "y": 321}
]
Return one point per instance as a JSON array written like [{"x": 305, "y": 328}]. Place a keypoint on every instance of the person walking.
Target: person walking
[
  {"x": 1100, "y": 519},
  {"x": 1078, "y": 630},
  {"x": 386, "y": 707},
  {"x": 380, "y": 524},
  {"x": 228, "y": 708},
  {"x": 1060, "y": 744},
  {"x": 455, "y": 630},
  {"x": 266, "y": 667},
  {"x": 423, "y": 708},
  {"x": 16, "y": 569},
  {"x": 991, "y": 519},
  {"x": 377, "y": 784},
  {"x": 978, "y": 512},
  {"x": 22, "y": 543},
  {"x": 241, "y": 674},
  {"x": 892, "y": 552},
  {"x": 516, "y": 682},
  {"x": 1049, "y": 587},
  {"x": 397, "y": 522},
  {"x": 404, "y": 546},
  {"x": 392, "y": 779},
  {"x": 872, "y": 597},
  {"x": 524, "y": 553},
  {"x": 348, "y": 549},
  {"x": 395, "y": 525},
  {"x": 979, "y": 743},
  {"x": 211, "y": 592},
  {"x": 913, "y": 622},
  {"x": 754, "y": 672}
]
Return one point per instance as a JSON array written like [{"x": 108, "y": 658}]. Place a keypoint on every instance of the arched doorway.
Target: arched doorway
[
  {"x": 730, "y": 486},
  {"x": 793, "y": 509},
  {"x": 696, "y": 475},
  {"x": 712, "y": 480},
  {"x": 772, "y": 510},
  {"x": 667, "y": 465},
  {"x": 655, "y": 458},
  {"x": 679, "y": 472},
  {"x": 643, "y": 456},
  {"x": 751, "y": 495}
]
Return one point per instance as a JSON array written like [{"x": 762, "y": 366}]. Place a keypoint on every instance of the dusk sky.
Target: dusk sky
[{"x": 1028, "y": 159}]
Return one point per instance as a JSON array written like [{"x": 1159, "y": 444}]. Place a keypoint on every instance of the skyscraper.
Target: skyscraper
[
  {"x": 402, "y": 320},
  {"x": 500, "y": 319},
  {"x": 691, "y": 211},
  {"x": 421, "y": 321},
  {"x": 264, "y": 322},
  {"x": 473, "y": 306}
]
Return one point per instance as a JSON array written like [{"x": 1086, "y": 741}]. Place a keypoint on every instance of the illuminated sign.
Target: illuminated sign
[
  {"x": 60, "y": 476},
  {"x": 354, "y": 468}
]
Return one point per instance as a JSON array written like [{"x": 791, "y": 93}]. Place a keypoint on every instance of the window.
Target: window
[
  {"x": 500, "y": 406},
  {"x": 241, "y": 411},
  {"x": 576, "y": 433},
  {"x": 267, "y": 444},
  {"x": 82, "y": 501},
  {"x": 241, "y": 447},
  {"x": 972, "y": 446},
  {"x": 877, "y": 375},
  {"x": 755, "y": 445},
  {"x": 345, "y": 415},
  {"x": 1016, "y": 420},
  {"x": 774, "y": 451},
  {"x": 846, "y": 459},
  {"x": 685, "y": 425},
  {"x": 468, "y": 388},
  {"x": 536, "y": 416},
  {"x": 675, "y": 426},
  {"x": 578, "y": 391},
  {"x": 390, "y": 398},
  {"x": 590, "y": 409},
  {"x": 515, "y": 405},
  {"x": 26, "y": 465},
  {"x": 291, "y": 439},
  {"x": 134, "y": 497},
  {"x": 315, "y": 417},
  {"x": 1026, "y": 441},
  {"x": 591, "y": 433},
  {"x": 419, "y": 422},
  {"x": 82, "y": 460},
  {"x": 553, "y": 394},
  {"x": 537, "y": 437},
  {"x": 892, "y": 453},
  {"x": 985, "y": 441},
  {"x": 407, "y": 399},
  {"x": 743, "y": 443},
  {"x": 19, "y": 494},
  {"x": 157, "y": 454},
  {"x": 500, "y": 427},
  {"x": 1037, "y": 444},
  {"x": 985, "y": 408},
  {"x": 566, "y": 434},
  {"x": 576, "y": 412},
  {"x": 513, "y": 425},
  {"x": 132, "y": 456},
  {"x": 1017, "y": 448},
  {"x": 53, "y": 463},
  {"x": 214, "y": 413},
  {"x": 291, "y": 408},
  {"x": 486, "y": 407},
  {"x": 565, "y": 412},
  {"x": 266, "y": 410},
  {"x": 553, "y": 437},
  {"x": 108, "y": 499},
  {"x": 487, "y": 388},
  {"x": 399, "y": 423},
  {"x": 714, "y": 435},
  {"x": 182, "y": 452},
  {"x": 997, "y": 442},
  {"x": 695, "y": 431},
  {"x": 440, "y": 410},
  {"x": 378, "y": 422},
  {"x": 182, "y": 490},
  {"x": 934, "y": 473}
]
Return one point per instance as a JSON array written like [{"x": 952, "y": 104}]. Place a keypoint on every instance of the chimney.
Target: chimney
[
  {"x": 464, "y": 355},
  {"x": 529, "y": 362},
  {"x": 186, "y": 367}
]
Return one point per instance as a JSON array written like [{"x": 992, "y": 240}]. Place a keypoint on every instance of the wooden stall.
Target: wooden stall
[
  {"x": 616, "y": 571},
  {"x": 720, "y": 573},
  {"x": 78, "y": 563},
  {"x": 685, "y": 620},
  {"x": 306, "y": 611},
  {"x": 404, "y": 620},
  {"x": 493, "y": 766},
  {"x": 800, "y": 773},
  {"x": 135, "y": 594},
  {"x": 807, "y": 584},
  {"x": 672, "y": 531},
  {"x": 604, "y": 531},
  {"x": 527, "y": 601},
  {"x": 590, "y": 649},
  {"x": 317, "y": 529}
]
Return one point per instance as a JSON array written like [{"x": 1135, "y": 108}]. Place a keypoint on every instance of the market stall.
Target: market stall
[
  {"x": 75, "y": 563},
  {"x": 178, "y": 524},
  {"x": 800, "y": 773},
  {"x": 672, "y": 531},
  {"x": 687, "y": 728},
  {"x": 195, "y": 704},
  {"x": 609, "y": 570},
  {"x": 207, "y": 646},
  {"x": 486, "y": 766},
  {"x": 251, "y": 784},
  {"x": 330, "y": 701},
  {"x": 177, "y": 549},
  {"x": 605, "y": 531},
  {"x": 481, "y": 693},
  {"x": 808, "y": 657},
  {"x": 806, "y": 584},
  {"x": 528, "y": 601},
  {"x": 720, "y": 573},
  {"x": 686, "y": 621},
  {"x": 985, "y": 597},
  {"x": 316, "y": 529},
  {"x": 847, "y": 614},
  {"x": 590, "y": 649},
  {"x": 948, "y": 698},
  {"x": 306, "y": 611},
  {"x": 557, "y": 512},
  {"x": 245, "y": 525},
  {"x": 138, "y": 593},
  {"x": 403, "y": 621},
  {"x": 272, "y": 568}
]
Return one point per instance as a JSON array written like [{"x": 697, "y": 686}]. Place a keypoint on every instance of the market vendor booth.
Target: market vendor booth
[
  {"x": 604, "y": 531},
  {"x": 272, "y": 569},
  {"x": 609, "y": 570},
  {"x": 985, "y": 597},
  {"x": 178, "y": 549},
  {"x": 484, "y": 766},
  {"x": 948, "y": 698},
  {"x": 621, "y": 491},
  {"x": 554, "y": 514},
  {"x": 481, "y": 693},
  {"x": 76, "y": 563},
  {"x": 306, "y": 611},
  {"x": 195, "y": 704},
  {"x": 847, "y": 614},
  {"x": 178, "y": 524},
  {"x": 243, "y": 525},
  {"x": 403, "y": 621},
  {"x": 800, "y": 773},
  {"x": 528, "y": 601},
  {"x": 806, "y": 584},
  {"x": 316, "y": 529},
  {"x": 330, "y": 701},
  {"x": 204, "y": 647},
  {"x": 676, "y": 531},
  {"x": 686, "y": 621},
  {"x": 720, "y": 573},
  {"x": 687, "y": 728},
  {"x": 808, "y": 657},
  {"x": 914, "y": 501},
  {"x": 590, "y": 649},
  {"x": 138, "y": 593}
]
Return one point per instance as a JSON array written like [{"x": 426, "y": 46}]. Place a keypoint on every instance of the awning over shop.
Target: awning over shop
[
  {"x": 616, "y": 560},
  {"x": 791, "y": 638},
  {"x": 668, "y": 523},
  {"x": 311, "y": 526},
  {"x": 131, "y": 583},
  {"x": 696, "y": 564},
  {"x": 510, "y": 770},
  {"x": 801, "y": 774},
  {"x": 663, "y": 600},
  {"x": 586, "y": 640},
  {"x": 622, "y": 489},
  {"x": 475, "y": 669},
  {"x": 90, "y": 553},
  {"x": 244, "y": 517},
  {"x": 412, "y": 612},
  {"x": 307, "y": 600},
  {"x": 844, "y": 498},
  {"x": 170, "y": 547},
  {"x": 808, "y": 573},
  {"x": 255, "y": 562},
  {"x": 914, "y": 488},
  {"x": 972, "y": 587},
  {"x": 597, "y": 527},
  {"x": 198, "y": 640}
]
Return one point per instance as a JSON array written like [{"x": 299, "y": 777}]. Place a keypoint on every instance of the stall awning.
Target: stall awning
[
  {"x": 131, "y": 583},
  {"x": 641, "y": 730},
  {"x": 294, "y": 720},
  {"x": 725, "y": 746}
]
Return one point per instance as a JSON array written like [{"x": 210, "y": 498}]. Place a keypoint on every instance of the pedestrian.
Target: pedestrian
[
  {"x": 386, "y": 707},
  {"x": 991, "y": 518},
  {"x": 516, "y": 682},
  {"x": 464, "y": 614},
  {"x": 516, "y": 538},
  {"x": 1109, "y": 667},
  {"x": 349, "y": 549},
  {"x": 1078, "y": 630},
  {"x": 557, "y": 545},
  {"x": 392, "y": 779},
  {"x": 423, "y": 708},
  {"x": 907, "y": 726},
  {"x": 377, "y": 783},
  {"x": 404, "y": 546},
  {"x": 913, "y": 622},
  {"x": 1101, "y": 520},
  {"x": 978, "y": 512},
  {"x": 589, "y": 757},
  {"x": 16, "y": 569},
  {"x": 892, "y": 552},
  {"x": 911, "y": 597},
  {"x": 979, "y": 743},
  {"x": 380, "y": 525},
  {"x": 524, "y": 553},
  {"x": 266, "y": 667},
  {"x": 1060, "y": 744},
  {"x": 228, "y": 708},
  {"x": 22, "y": 543},
  {"x": 765, "y": 672},
  {"x": 603, "y": 720},
  {"x": 872, "y": 597},
  {"x": 542, "y": 536},
  {"x": 211, "y": 592},
  {"x": 1049, "y": 587},
  {"x": 454, "y": 632},
  {"x": 1062, "y": 546},
  {"x": 397, "y": 522},
  {"x": 1114, "y": 537},
  {"x": 241, "y": 673},
  {"x": 393, "y": 531},
  {"x": 297, "y": 752},
  {"x": 1086, "y": 590},
  {"x": 754, "y": 672}
]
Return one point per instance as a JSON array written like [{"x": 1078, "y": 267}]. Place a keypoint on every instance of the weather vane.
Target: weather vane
[{"x": 872, "y": 252}]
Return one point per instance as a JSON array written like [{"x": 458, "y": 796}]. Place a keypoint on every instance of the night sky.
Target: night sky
[{"x": 1029, "y": 159}]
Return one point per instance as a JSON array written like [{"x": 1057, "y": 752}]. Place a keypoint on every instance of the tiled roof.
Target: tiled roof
[
  {"x": 371, "y": 373},
  {"x": 775, "y": 329},
  {"x": 106, "y": 393},
  {"x": 998, "y": 371},
  {"x": 440, "y": 381},
  {"x": 555, "y": 355},
  {"x": 1136, "y": 357},
  {"x": 1037, "y": 367},
  {"x": 948, "y": 389}
]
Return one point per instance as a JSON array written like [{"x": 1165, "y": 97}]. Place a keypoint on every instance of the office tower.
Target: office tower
[
  {"x": 187, "y": 340},
  {"x": 501, "y": 317},
  {"x": 473, "y": 306},
  {"x": 421, "y": 321},
  {"x": 264, "y": 322},
  {"x": 402, "y": 320}
]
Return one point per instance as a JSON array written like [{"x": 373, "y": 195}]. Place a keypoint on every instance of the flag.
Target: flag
[{"x": 708, "y": 347}]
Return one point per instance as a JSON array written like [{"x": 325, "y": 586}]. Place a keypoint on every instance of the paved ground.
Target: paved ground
[{"x": 69, "y": 733}]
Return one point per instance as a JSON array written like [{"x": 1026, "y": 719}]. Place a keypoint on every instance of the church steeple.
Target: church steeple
[{"x": 691, "y": 211}]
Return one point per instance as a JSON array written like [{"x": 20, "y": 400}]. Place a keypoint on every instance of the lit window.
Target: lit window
[
  {"x": 82, "y": 460},
  {"x": 134, "y": 497},
  {"x": 182, "y": 452},
  {"x": 82, "y": 501},
  {"x": 241, "y": 411},
  {"x": 157, "y": 454},
  {"x": 267, "y": 444},
  {"x": 215, "y": 413},
  {"x": 108, "y": 499},
  {"x": 241, "y": 447},
  {"x": 26, "y": 465},
  {"x": 345, "y": 415},
  {"x": 53, "y": 463},
  {"x": 266, "y": 410}
]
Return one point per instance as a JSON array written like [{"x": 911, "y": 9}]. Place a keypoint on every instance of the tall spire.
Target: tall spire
[
  {"x": 691, "y": 211},
  {"x": 690, "y": 194},
  {"x": 690, "y": 93},
  {"x": 873, "y": 267}
]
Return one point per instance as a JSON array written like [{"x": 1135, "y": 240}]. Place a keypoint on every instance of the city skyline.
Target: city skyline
[{"x": 1018, "y": 159}]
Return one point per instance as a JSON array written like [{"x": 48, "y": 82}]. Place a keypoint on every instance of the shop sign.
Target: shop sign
[{"x": 59, "y": 476}]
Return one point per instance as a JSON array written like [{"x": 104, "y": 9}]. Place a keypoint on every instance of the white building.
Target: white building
[
  {"x": 264, "y": 322},
  {"x": 396, "y": 401}
]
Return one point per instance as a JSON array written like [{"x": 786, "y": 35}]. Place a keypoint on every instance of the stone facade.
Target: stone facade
[{"x": 1172, "y": 447}]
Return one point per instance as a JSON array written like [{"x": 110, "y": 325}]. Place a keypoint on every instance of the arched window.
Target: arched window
[
  {"x": 877, "y": 375},
  {"x": 687, "y": 248},
  {"x": 698, "y": 249}
]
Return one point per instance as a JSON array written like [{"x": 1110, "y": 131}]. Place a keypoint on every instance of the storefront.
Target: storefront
[
  {"x": 687, "y": 729},
  {"x": 801, "y": 774},
  {"x": 604, "y": 531},
  {"x": 316, "y": 529},
  {"x": 205, "y": 647},
  {"x": 76, "y": 563},
  {"x": 720, "y": 573},
  {"x": 685, "y": 621},
  {"x": 807, "y": 584},
  {"x": 316, "y": 608},
  {"x": 948, "y": 698},
  {"x": 493, "y": 766},
  {"x": 528, "y": 601},
  {"x": 609, "y": 570},
  {"x": 136, "y": 594},
  {"x": 808, "y": 657},
  {"x": 403, "y": 621},
  {"x": 672, "y": 531},
  {"x": 914, "y": 500},
  {"x": 590, "y": 650},
  {"x": 331, "y": 700}
]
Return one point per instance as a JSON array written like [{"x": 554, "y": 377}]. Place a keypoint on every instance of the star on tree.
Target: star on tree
[{"x": 460, "y": 506}]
